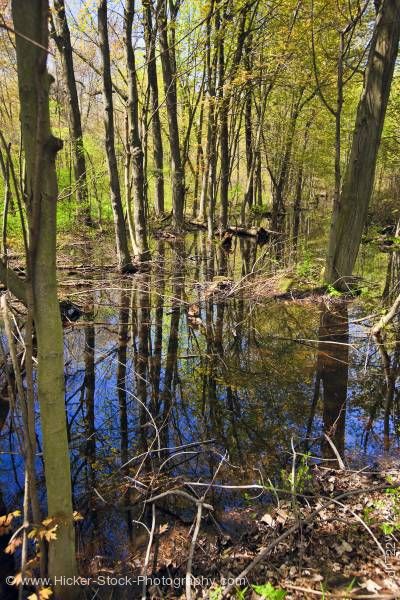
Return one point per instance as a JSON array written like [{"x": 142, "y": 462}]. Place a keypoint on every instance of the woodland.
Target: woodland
[{"x": 199, "y": 299}]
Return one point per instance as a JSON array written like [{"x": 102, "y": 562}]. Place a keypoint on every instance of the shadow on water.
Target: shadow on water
[{"x": 171, "y": 371}]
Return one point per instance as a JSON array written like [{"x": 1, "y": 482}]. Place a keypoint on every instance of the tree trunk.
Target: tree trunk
[
  {"x": 349, "y": 217},
  {"x": 169, "y": 75},
  {"x": 158, "y": 153},
  {"x": 248, "y": 133},
  {"x": 40, "y": 148},
  {"x": 63, "y": 41},
  {"x": 278, "y": 201},
  {"x": 212, "y": 125},
  {"x": 199, "y": 161},
  {"x": 225, "y": 97},
  {"x": 134, "y": 140},
  {"x": 223, "y": 137},
  {"x": 124, "y": 259}
]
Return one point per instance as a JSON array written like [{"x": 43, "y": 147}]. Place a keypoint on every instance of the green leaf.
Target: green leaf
[{"x": 269, "y": 592}]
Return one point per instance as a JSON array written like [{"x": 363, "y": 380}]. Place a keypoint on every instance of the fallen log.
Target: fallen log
[
  {"x": 261, "y": 234},
  {"x": 197, "y": 224},
  {"x": 385, "y": 320}
]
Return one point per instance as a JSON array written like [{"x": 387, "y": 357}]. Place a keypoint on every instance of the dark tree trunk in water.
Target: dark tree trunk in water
[
  {"x": 333, "y": 370},
  {"x": 169, "y": 74},
  {"x": 134, "y": 140},
  {"x": 30, "y": 19},
  {"x": 142, "y": 356},
  {"x": 349, "y": 216},
  {"x": 171, "y": 360},
  {"x": 156, "y": 359},
  {"x": 124, "y": 259},
  {"x": 123, "y": 336},
  {"x": 90, "y": 386},
  {"x": 63, "y": 41},
  {"x": 158, "y": 153}
]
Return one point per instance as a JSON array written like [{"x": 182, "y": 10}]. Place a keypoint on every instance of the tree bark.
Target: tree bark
[
  {"x": 224, "y": 135},
  {"x": 123, "y": 256},
  {"x": 169, "y": 75},
  {"x": 62, "y": 38},
  {"x": 278, "y": 200},
  {"x": 248, "y": 133},
  {"x": 349, "y": 216},
  {"x": 158, "y": 152},
  {"x": 40, "y": 148},
  {"x": 134, "y": 139},
  {"x": 225, "y": 97}
]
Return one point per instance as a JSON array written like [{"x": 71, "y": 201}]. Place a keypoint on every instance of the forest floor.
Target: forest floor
[{"x": 347, "y": 548}]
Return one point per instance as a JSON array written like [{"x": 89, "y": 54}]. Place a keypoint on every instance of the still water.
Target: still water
[{"x": 188, "y": 372}]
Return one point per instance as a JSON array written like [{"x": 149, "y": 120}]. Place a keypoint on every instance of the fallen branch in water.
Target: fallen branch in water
[
  {"x": 184, "y": 495},
  {"x": 385, "y": 320}
]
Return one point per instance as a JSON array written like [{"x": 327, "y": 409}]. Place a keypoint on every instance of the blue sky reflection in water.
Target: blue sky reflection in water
[{"x": 161, "y": 350}]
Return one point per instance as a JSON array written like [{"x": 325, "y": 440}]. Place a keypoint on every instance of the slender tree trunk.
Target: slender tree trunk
[
  {"x": 41, "y": 147},
  {"x": 158, "y": 153},
  {"x": 128, "y": 186},
  {"x": 278, "y": 202},
  {"x": 299, "y": 187},
  {"x": 134, "y": 139},
  {"x": 223, "y": 136},
  {"x": 124, "y": 259},
  {"x": 350, "y": 215},
  {"x": 212, "y": 126},
  {"x": 338, "y": 121},
  {"x": 169, "y": 75},
  {"x": 63, "y": 41},
  {"x": 248, "y": 133},
  {"x": 224, "y": 110},
  {"x": 199, "y": 160},
  {"x": 208, "y": 182}
]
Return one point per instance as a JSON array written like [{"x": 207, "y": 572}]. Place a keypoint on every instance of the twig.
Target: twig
[
  {"x": 184, "y": 495},
  {"x": 265, "y": 551},
  {"x": 395, "y": 308},
  {"x": 336, "y": 452},
  {"x": 3, "y": 25},
  {"x": 24, "y": 551},
  {"x": 364, "y": 524},
  {"x": 191, "y": 550},
  {"x": 149, "y": 545}
]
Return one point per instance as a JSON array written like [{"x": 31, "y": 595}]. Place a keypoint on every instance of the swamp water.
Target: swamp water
[{"x": 188, "y": 373}]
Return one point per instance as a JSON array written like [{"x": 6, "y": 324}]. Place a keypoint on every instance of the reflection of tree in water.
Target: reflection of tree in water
[
  {"x": 333, "y": 370},
  {"x": 7, "y": 566},
  {"x": 170, "y": 373},
  {"x": 241, "y": 373}
]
